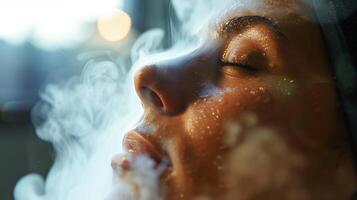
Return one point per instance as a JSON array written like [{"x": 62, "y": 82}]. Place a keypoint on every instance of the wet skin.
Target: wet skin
[{"x": 258, "y": 67}]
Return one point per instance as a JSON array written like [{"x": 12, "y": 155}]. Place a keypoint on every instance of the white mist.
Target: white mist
[{"x": 86, "y": 117}]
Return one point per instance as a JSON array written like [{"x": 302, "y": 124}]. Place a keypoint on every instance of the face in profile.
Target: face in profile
[{"x": 250, "y": 114}]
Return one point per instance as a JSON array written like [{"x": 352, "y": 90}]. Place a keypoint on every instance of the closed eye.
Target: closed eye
[{"x": 247, "y": 68}]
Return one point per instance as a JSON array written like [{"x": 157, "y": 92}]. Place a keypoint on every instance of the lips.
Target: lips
[{"x": 139, "y": 144}]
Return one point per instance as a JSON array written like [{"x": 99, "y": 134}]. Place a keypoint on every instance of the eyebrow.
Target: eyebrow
[{"x": 236, "y": 24}]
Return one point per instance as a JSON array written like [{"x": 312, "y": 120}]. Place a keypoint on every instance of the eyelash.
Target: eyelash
[{"x": 246, "y": 67}]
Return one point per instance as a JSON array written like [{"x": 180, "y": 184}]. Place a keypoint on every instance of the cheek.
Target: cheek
[
  {"x": 207, "y": 120},
  {"x": 316, "y": 112}
]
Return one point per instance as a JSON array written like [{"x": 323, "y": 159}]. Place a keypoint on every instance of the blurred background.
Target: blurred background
[{"x": 47, "y": 41}]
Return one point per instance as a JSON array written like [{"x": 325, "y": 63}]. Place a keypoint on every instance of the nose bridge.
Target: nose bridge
[
  {"x": 161, "y": 76},
  {"x": 170, "y": 85}
]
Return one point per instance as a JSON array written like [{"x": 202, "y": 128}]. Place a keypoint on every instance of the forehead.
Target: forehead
[
  {"x": 289, "y": 15},
  {"x": 277, "y": 10}
]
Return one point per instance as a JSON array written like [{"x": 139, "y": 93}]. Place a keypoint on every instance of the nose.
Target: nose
[
  {"x": 170, "y": 85},
  {"x": 158, "y": 88}
]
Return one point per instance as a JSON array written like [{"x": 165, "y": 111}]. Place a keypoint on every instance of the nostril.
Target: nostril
[
  {"x": 153, "y": 97},
  {"x": 156, "y": 99},
  {"x": 158, "y": 91}
]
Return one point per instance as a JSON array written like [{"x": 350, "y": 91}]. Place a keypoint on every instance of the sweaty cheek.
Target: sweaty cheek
[
  {"x": 202, "y": 124},
  {"x": 207, "y": 118},
  {"x": 283, "y": 87}
]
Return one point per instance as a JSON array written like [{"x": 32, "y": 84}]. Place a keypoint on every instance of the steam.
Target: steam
[
  {"x": 84, "y": 118},
  {"x": 79, "y": 117}
]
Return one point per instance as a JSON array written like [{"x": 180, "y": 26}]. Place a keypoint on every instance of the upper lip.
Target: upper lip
[{"x": 137, "y": 144}]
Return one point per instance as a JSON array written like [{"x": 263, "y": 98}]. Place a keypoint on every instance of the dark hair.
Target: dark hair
[{"x": 338, "y": 19}]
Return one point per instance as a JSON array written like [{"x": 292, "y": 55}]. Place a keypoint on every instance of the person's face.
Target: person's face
[{"x": 259, "y": 90}]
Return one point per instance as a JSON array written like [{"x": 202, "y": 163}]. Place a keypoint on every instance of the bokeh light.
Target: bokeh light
[
  {"x": 114, "y": 26},
  {"x": 51, "y": 23}
]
